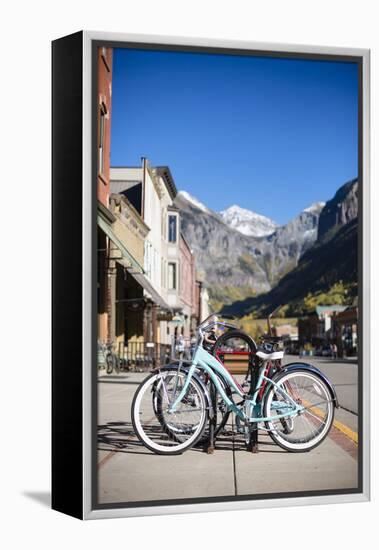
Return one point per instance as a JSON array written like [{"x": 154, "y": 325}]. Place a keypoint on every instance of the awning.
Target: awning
[
  {"x": 145, "y": 283},
  {"x": 138, "y": 276},
  {"x": 125, "y": 253}
]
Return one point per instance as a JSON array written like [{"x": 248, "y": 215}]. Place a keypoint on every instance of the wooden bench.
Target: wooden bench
[{"x": 236, "y": 362}]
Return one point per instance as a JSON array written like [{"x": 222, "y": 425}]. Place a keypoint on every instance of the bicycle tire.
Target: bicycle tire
[
  {"x": 234, "y": 334},
  {"x": 288, "y": 441},
  {"x": 219, "y": 426},
  {"x": 142, "y": 433}
]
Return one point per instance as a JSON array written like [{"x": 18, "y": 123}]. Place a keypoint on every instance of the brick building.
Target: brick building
[
  {"x": 104, "y": 106},
  {"x": 146, "y": 270}
]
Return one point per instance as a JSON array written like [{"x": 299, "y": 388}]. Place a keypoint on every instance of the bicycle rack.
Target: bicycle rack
[
  {"x": 253, "y": 439},
  {"x": 253, "y": 445},
  {"x": 210, "y": 448}
]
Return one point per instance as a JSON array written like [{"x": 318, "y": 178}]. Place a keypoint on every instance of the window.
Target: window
[
  {"x": 101, "y": 140},
  {"x": 172, "y": 228},
  {"x": 172, "y": 282}
]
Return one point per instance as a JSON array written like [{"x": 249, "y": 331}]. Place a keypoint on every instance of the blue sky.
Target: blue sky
[{"x": 271, "y": 135}]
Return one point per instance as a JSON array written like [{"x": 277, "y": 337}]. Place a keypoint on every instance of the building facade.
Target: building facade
[
  {"x": 316, "y": 329},
  {"x": 104, "y": 109},
  {"x": 187, "y": 286},
  {"x": 146, "y": 287},
  {"x": 151, "y": 192},
  {"x": 127, "y": 301},
  {"x": 345, "y": 331}
]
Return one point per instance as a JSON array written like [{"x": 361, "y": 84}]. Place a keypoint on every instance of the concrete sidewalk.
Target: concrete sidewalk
[{"x": 128, "y": 472}]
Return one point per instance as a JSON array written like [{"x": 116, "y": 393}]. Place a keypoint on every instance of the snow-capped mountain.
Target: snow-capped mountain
[
  {"x": 193, "y": 200},
  {"x": 247, "y": 222},
  {"x": 235, "y": 264},
  {"x": 231, "y": 258}
]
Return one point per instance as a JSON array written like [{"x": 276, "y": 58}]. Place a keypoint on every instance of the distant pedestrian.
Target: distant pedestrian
[{"x": 335, "y": 351}]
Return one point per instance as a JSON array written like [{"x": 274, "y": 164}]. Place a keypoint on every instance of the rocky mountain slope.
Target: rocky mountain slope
[
  {"x": 327, "y": 271},
  {"x": 338, "y": 211},
  {"x": 230, "y": 263},
  {"x": 234, "y": 265},
  {"x": 291, "y": 241}
]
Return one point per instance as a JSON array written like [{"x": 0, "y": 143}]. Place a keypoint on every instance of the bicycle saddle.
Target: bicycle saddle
[{"x": 267, "y": 355}]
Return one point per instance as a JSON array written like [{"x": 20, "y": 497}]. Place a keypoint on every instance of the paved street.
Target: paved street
[
  {"x": 129, "y": 472},
  {"x": 344, "y": 375}
]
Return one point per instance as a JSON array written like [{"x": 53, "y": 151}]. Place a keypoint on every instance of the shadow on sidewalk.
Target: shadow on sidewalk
[
  {"x": 115, "y": 380},
  {"x": 117, "y": 436},
  {"x": 120, "y": 437}
]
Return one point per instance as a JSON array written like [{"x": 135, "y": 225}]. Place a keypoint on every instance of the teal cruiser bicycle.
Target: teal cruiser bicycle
[{"x": 294, "y": 403}]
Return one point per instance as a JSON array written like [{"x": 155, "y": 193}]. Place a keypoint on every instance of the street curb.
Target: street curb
[{"x": 346, "y": 431}]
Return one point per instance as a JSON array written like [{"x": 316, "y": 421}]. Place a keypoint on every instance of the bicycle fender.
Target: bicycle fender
[
  {"x": 310, "y": 368},
  {"x": 185, "y": 368}
]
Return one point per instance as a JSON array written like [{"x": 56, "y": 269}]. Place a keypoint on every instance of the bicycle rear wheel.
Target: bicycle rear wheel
[
  {"x": 310, "y": 427},
  {"x": 158, "y": 429}
]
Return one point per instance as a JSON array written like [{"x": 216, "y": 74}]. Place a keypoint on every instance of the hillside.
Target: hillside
[
  {"x": 227, "y": 261},
  {"x": 339, "y": 210},
  {"x": 325, "y": 274},
  {"x": 235, "y": 265}
]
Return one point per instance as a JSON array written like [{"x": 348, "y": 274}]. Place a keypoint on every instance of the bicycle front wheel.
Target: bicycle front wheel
[
  {"x": 310, "y": 427},
  {"x": 158, "y": 429},
  {"x": 222, "y": 413}
]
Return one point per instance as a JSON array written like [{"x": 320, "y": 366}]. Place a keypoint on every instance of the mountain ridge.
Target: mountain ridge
[
  {"x": 248, "y": 222},
  {"x": 237, "y": 267},
  {"x": 233, "y": 265},
  {"x": 326, "y": 273}
]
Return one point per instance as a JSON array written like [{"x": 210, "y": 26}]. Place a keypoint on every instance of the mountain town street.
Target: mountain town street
[{"x": 128, "y": 472}]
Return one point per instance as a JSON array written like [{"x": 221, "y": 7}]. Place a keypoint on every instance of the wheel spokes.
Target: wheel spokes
[{"x": 312, "y": 419}]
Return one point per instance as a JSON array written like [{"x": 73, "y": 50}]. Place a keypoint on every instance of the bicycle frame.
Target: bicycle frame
[{"x": 209, "y": 364}]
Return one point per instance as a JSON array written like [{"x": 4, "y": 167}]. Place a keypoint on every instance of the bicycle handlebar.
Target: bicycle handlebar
[
  {"x": 206, "y": 328},
  {"x": 217, "y": 314}
]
